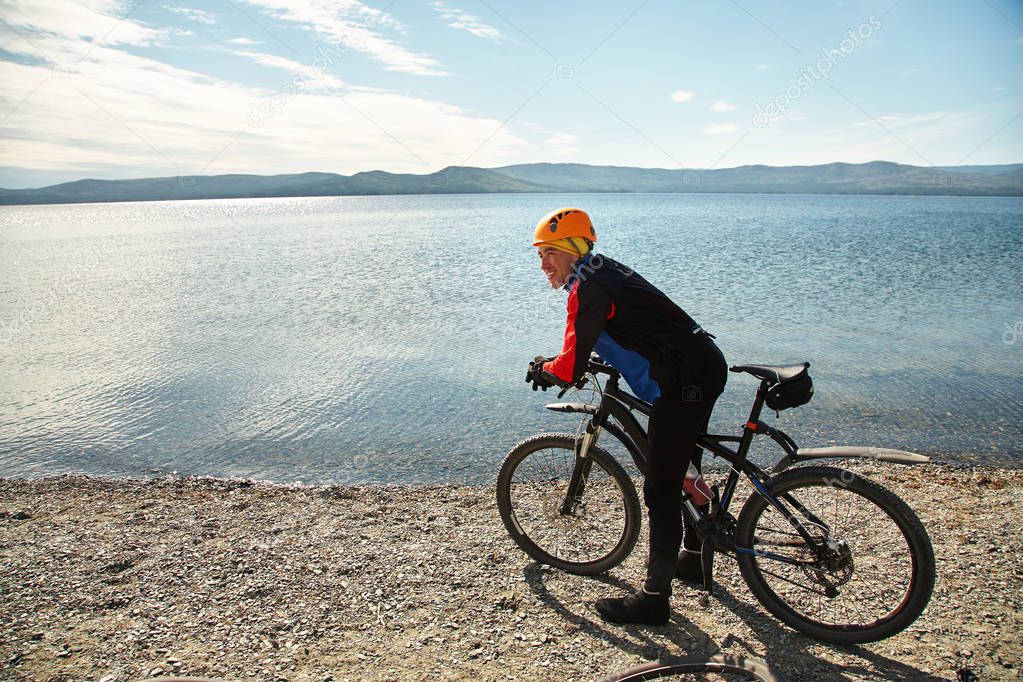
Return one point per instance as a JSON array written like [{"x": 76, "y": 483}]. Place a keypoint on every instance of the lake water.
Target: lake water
[{"x": 372, "y": 339}]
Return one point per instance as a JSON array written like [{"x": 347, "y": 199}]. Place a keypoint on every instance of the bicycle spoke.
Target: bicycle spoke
[
  {"x": 778, "y": 531},
  {"x": 808, "y": 588}
]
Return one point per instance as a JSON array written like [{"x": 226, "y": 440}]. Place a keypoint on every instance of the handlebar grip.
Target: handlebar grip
[{"x": 601, "y": 368}]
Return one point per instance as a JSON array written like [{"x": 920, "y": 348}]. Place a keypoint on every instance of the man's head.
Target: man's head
[
  {"x": 561, "y": 238},
  {"x": 556, "y": 264}
]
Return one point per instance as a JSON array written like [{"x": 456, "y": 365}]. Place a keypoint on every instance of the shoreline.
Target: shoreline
[
  {"x": 236, "y": 579},
  {"x": 711, "y": 465}
]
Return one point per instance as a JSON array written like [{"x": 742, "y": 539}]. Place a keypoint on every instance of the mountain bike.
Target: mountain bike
[{"x": 825, "y": 550}]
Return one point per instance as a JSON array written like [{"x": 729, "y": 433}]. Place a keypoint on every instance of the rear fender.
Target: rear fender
[{"x": 850, "y": 452}]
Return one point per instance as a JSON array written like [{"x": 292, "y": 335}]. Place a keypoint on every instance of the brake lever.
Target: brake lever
[{"x": 578, "y": 385}]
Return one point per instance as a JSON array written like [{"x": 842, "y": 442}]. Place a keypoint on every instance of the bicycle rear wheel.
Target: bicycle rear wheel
[
  {"x": 699, "y": 668},
  {"x": 879, "y": 572},
  {"x": 600, "y": 529}
]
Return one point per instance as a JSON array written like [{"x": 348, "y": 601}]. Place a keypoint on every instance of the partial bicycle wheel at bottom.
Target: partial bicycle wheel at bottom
[
  {"x": 720, "y": 668},
  {"x": 585, "y": 533}
]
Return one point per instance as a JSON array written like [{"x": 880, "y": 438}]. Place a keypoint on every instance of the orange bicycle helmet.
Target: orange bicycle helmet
[{"x": 562, "y": 223}]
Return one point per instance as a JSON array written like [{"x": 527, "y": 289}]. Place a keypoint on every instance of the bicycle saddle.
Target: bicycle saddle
[{"x": 775, "y": 373}]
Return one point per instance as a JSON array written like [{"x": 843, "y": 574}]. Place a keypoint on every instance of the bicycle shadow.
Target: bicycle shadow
[
  {"x": 793, "y": 650},
  {"x": 777, "y": 642}
]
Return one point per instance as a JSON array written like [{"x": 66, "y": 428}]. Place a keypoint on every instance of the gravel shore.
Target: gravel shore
[{"x": 108, "y": 580}]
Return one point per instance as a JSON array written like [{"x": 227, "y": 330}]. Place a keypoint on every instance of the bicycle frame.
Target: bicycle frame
[{"x": 618, "y": 405}]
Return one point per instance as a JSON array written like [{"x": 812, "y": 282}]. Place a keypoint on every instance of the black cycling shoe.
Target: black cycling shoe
[
  {"x": 639, "y": 607},
  {"x": 689, "y": 568}
]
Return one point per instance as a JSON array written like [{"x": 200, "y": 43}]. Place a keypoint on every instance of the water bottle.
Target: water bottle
[{"x": 696, "y": 487}]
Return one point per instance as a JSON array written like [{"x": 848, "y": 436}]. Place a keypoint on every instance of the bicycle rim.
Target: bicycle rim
[
  {"x": 699, "y": 669},
  {"x": 876, "y": 581}
]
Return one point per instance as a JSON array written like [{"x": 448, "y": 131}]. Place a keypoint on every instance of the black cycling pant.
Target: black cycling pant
[{"x": 677, "y": 418}]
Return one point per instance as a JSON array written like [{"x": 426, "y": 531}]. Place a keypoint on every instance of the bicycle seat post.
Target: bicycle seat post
[{"x": 749, "y": 428}]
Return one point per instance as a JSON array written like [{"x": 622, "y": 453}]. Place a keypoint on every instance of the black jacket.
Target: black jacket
[{"x": 632, "y": 325}]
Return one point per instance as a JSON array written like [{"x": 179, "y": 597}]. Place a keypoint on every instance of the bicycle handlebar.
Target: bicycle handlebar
[{"x": 597, "y": 367}]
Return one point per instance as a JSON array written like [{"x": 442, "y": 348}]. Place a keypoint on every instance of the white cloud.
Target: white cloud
[
  {"x": 198, "y": 15},
  {"x": 998, "y": 88},
  {"x": 921, "y": 139},
  {"x": 561, "y": 144},
  {"x": 244, "y": 41},
  {"x": 116, "y": 110},
  {"x": 761, "y": 67},
  {"x": 461, "y": 19},
  {"x": 937, "y": 137},
  {"x": 349, "y": 24},
  {"x": 681, "y": 96},
  {"x": 910, "y": 72},
  {"x": 95, "y": 20},
  {"x": 562, "y": 139},
  {"x": 308, "y": 77},
  {"x": 720, "y": 128},
  {"x": 722, "y": 105},
  {"x": 894, "y": 121}
]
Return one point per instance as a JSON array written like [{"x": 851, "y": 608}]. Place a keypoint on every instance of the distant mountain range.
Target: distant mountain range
[{"x": 876, "y": 177}]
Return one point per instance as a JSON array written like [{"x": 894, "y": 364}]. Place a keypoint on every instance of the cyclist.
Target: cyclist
[{"x": 667, "y": 359}]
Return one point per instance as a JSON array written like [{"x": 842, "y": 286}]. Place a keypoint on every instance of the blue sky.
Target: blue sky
[{"x": 111, "y": 89}]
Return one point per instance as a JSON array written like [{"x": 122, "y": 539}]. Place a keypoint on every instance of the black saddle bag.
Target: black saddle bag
[{"x": 790, "y": 393}]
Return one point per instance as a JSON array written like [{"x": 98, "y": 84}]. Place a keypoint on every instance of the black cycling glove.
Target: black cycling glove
[{"x": 535, "y": 374}]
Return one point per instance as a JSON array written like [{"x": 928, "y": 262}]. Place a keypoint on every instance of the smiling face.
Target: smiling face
[{"x": 556, "y": 264}]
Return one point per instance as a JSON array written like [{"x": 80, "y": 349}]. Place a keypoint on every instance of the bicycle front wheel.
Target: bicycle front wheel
[
  {"x": 877, "y": 572},
  {"x": 588, "y": 534}
]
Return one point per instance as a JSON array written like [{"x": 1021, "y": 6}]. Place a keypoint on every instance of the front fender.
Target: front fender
[
  {"x": 585, "y": 408},
  {"x": 850, "y": 452}
]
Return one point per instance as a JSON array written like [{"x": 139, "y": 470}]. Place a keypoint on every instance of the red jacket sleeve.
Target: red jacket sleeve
[{"x": 589, "y": 307}]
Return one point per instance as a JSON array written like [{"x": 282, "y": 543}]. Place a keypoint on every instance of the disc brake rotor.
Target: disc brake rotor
[
  {"x": 552, "y": 502},
  {"x": 832, "y": 572}
]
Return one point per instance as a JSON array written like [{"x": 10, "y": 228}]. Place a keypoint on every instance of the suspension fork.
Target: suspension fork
[{"x": 583, "y": 463}]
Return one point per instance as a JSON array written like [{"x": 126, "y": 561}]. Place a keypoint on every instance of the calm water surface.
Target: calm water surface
[{"x": 365, "y": 339}]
